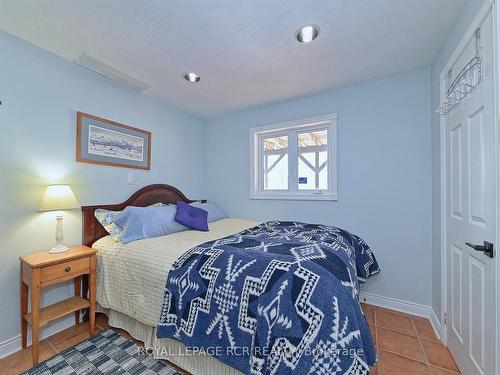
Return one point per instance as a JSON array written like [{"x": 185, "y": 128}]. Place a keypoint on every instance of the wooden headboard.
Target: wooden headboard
[{"x": 159, "y": 193}]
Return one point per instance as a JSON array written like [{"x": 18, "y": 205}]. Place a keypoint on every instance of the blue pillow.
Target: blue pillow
[
  {"x": 191, "y": 217},
  {"x": 106, "y": 218},
  {"x": 214, "y": 213},
  {"x": 146, "y": 222}
]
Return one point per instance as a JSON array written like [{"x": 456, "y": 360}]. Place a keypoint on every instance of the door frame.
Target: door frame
[{"x": 486, "y": 8}]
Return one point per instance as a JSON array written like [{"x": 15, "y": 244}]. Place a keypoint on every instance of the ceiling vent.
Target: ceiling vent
[{"x": 109, "y": 72}]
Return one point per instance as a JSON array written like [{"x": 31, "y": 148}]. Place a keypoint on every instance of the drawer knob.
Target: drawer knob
[{"x": 67, "y": 269}]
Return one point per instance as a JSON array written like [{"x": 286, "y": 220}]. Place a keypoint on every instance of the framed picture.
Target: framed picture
[{"x": 106, "y": 142}]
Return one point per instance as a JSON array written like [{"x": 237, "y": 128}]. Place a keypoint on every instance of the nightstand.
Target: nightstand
[{"x": 43, "y": 269}]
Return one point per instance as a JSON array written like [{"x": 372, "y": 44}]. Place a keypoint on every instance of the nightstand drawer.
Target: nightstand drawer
[{"x": 65, "y": 270}]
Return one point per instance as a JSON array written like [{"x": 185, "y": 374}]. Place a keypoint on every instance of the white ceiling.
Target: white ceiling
[{"x": 244, "y": 50}]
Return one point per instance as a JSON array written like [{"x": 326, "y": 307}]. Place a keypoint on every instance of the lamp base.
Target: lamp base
[{"x": 59, "y": 249}]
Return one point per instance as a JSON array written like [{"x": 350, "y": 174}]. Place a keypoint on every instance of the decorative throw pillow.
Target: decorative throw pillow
[
  {"x": 214, "y": 213},
  {"x": 145, "y": 222},
  {"x": 106, "y": 218},
  {"x": 192, "y": 217}
]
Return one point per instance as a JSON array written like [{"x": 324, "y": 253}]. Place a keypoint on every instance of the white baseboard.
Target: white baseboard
[
  {"x": 13, "y": 344},
  {"x": 405, "y": 307},
  {"x": 10, "y": 346},
  {"x": 436, "y": 324}
]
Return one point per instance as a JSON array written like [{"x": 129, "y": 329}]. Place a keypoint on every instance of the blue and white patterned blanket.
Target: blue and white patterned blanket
[{"x": 277, "y": 298}]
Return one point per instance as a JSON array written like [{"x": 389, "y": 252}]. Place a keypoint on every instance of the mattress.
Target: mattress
[{"x": 131, "y": 278}]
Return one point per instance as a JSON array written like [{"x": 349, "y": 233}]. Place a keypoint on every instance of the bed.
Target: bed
[{"x": 131, "y": 279}]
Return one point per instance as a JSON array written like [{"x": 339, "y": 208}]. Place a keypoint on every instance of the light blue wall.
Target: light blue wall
[
  {"x": 385, "y": 148},
  {"x": 41, "y": 94},
  {"x": 463, "y": 22},
  {"x": 384, "y": 169}
]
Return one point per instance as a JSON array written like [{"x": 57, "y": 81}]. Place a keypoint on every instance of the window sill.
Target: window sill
[{"x": 295, "y": 197}]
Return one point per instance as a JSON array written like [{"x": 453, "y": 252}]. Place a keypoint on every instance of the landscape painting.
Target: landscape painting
[
  {"x": 115, "y": 144},
  {"x": 106, "y": 142}
]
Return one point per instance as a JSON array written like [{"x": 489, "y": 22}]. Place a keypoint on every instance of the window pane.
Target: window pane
[
  {"x": 323, "y": 174},
  {"x": 313, "y": 160},
  {"x": 275, "y": 163},
  {"x": 306, "y": 174}
]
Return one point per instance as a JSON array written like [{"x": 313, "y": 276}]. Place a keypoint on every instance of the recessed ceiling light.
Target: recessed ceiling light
[
  {"x": 307, "y": 34},
  {"x": 192, "y": 77}
]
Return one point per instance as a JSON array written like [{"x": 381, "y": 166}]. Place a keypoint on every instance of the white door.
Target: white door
[{"x": 470, "y": 213}]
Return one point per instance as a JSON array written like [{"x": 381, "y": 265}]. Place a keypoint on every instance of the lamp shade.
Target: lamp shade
[{"x": 58, "y": 197}]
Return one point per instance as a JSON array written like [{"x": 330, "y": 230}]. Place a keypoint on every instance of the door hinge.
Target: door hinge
[{"x": 445, "y": 318}]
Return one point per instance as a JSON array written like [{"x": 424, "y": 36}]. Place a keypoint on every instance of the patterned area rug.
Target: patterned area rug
[{"x": 105, "y": 353}]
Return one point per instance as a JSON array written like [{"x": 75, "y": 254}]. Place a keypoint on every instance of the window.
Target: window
[{"x": 295, "y": 160}]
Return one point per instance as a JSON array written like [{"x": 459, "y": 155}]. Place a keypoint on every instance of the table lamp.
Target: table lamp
[{"x": 58, "y": 197}]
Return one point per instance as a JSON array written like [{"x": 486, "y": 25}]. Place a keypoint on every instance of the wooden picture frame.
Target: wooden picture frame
[{"x": 105, "y": 142}]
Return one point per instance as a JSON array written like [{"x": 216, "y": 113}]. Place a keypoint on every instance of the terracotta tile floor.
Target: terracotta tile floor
[{"x": 405, "y": 345}]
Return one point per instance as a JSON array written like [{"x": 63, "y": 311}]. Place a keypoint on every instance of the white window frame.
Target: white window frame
[{"x": 291, "y": 128}]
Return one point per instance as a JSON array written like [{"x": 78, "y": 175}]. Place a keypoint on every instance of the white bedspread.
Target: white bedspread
[{"x": 131, "y": 278}]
